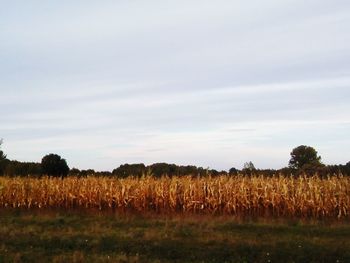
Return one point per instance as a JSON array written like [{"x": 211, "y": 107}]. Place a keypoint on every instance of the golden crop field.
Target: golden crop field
[{"x": 258, "y": 196}]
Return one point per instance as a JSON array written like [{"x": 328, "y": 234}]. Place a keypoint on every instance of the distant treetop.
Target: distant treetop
[
  {"x": 54, "y": 165},
  {"x": 303, "y": 155}
]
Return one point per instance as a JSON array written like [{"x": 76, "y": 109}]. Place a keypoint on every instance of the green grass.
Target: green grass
[{"x": 32, "y": 236}]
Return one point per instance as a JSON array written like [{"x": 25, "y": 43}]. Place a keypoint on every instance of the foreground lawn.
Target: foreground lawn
[{"x": 86, "y": 237}]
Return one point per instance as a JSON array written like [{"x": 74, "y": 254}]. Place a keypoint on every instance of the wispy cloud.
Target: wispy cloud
[{"x": 213, "y": 84}]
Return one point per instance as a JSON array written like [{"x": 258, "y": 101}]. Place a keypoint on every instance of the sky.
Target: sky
[{"x": 209, "y": 83}]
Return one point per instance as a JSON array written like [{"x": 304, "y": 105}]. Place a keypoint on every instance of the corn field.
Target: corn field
[{"x": 302, "y": 197}]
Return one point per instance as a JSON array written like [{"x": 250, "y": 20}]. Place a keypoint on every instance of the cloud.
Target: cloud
[{"x": 196, "y": 82}]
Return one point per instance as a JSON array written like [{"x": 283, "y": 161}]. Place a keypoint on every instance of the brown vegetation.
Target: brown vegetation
[{"x": 257, "y": 196}]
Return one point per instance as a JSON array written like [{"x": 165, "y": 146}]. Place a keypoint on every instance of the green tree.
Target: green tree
[
  {"x": 249, "y": 166},
  {"x": 160, "y": 169},
  {"x": 125, "y": 170},
  {"x": 304, "y": 156},
  {"x": 16, "y": 168},
  {"x": 74, "y": 171},
  {"x": 3, "y": 160},
  {"x": 2, "y": 155},
  {"x": 233, "y": 171},
  {"x": 54, "y": 165}
]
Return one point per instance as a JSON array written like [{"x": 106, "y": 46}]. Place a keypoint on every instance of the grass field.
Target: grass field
[{"x": 44, "y": 236}]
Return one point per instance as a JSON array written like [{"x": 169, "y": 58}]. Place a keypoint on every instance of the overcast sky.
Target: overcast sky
[{"x": 209, "y": 83}]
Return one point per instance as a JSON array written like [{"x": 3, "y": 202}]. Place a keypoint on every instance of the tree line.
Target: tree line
[{"x": 303, "y": 160}]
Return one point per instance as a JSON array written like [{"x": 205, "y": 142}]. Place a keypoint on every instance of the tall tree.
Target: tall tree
[
  {"x": 2, "y": 155},
  {"x": 2, "y": 160},
  {"x": 304, "y": 156},
  {"x": 53, "y": 164},
  {"x": 249, "y": 166}
]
